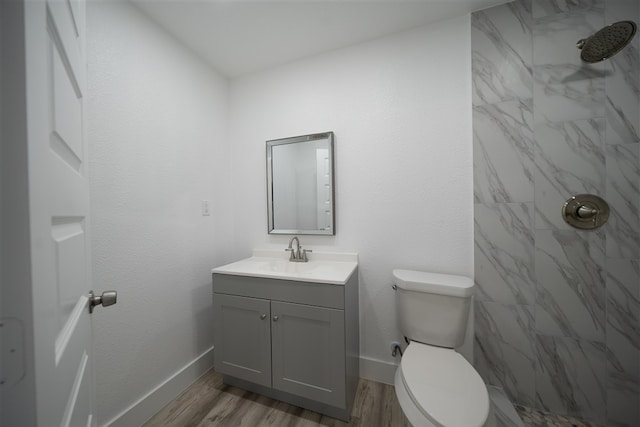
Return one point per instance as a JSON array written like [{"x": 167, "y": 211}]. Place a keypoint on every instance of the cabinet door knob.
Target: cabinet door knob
[
  {"x": 263, "y": 316},
  {"x": 275, "y": 318}
]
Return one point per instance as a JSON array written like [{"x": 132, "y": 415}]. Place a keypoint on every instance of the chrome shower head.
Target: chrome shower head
[{"x": 606, "y": 42}]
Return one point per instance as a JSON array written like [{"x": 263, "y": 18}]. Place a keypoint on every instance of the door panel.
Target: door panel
[
  {"x": 308, "y": 352},
  {"x": 69, "y": 244},
  {"x": 66, "y": 138},
  {"x": 242, "y": 340},
  {"x": 65, "y": 25},
  {"x": 74, "y": 414},
  {"x": 59, "y": 211}
]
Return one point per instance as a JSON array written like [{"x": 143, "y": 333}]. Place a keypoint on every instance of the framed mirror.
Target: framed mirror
[{"x": 300, "y": 185}]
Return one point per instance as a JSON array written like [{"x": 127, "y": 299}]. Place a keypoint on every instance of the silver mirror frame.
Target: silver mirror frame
[{"x": 270, "y": 208}]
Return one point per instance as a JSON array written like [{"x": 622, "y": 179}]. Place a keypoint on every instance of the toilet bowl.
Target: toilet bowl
[{"x": 435, "y": 385}]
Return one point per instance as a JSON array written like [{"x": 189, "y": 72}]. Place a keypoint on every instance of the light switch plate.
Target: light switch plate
[{"x": 205, "y": 208}]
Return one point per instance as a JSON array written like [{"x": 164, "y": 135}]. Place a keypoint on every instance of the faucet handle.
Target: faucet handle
[
  {"x": 304, "y": 254},
  {"x": 293, "y": 253}
]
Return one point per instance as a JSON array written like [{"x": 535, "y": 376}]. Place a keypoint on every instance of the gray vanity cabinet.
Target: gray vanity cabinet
[
  {"x": 243, "y": 338},
  {"x": 307, "y": 351},
  {"x": 293, "y": 341}
]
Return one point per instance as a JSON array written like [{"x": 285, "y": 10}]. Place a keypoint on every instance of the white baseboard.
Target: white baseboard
[
  {"x": 147, "y": 406},
  {"x": 377, "y": 370},
  {"x": 156, "y": 399}
]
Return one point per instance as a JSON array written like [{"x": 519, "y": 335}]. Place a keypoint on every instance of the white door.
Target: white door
[{"x": 59, "y": 211}]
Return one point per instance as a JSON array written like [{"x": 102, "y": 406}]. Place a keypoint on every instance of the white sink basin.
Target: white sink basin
[{"x": 322, "y": 267}]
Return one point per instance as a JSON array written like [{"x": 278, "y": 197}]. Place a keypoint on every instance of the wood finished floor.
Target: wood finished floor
[{"x": 208, "y": 402}]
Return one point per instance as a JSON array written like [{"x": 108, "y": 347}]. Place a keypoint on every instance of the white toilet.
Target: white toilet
[{"x": 436, "y": 386}]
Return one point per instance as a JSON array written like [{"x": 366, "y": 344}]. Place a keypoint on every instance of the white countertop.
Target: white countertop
[{"x": 323, "y": 267}]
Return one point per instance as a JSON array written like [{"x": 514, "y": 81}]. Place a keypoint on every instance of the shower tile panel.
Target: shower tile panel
[
  {"x": 504, "y": 253},
  {"x": 505, "y": 349},
  {"x": 501, "y": 53},
  {"x": 620, "y": 10},
  {"x": 622, "y": 403},
  {"x": 623, "y": 127},
  {"x": 623, "y": 342},
  {"x": 569, "y": 266},
  {"x": 623, "y": 197},
  {"x": 623, "y": 97},
  {"x": 509, "y": 323},
  {"x": 555, "y": 36},
  {"x": 499, "y": 363},
  {"x": 623, "y": 80},
  {"x": 622, "y": 388},
  {"x": 585, "y": 139},
  {"x": 623, "y": 315},
  {"x": 505, "y": 413},
  {"x": 565, "y": 88},
  {"x": 575, "y": 100},
  {"x": 570, "y": 160},
  {"x": 503, "y": 148},
  {"x": 546, "y": 8},
  {"x": 561, "y": 74},
  {"x": 571, "y": 377}
]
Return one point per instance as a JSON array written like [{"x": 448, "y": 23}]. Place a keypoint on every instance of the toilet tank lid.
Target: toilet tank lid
[{"x": 436, "y": 283}]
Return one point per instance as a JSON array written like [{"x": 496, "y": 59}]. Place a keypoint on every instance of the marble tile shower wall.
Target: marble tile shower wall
[{"x": 558, "y": 309}]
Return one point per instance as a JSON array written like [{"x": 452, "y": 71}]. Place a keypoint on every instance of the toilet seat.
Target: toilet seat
[{"x": 443, "y": 386}]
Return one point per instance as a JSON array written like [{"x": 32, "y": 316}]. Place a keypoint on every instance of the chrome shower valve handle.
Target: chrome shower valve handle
[{"x": 585, "y": 211}]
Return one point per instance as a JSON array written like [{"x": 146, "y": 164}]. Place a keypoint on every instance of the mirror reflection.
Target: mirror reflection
[{"x": 300, "y": 185}]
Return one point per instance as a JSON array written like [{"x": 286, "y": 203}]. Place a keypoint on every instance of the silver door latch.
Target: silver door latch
[{"x": 106, "y": 299}]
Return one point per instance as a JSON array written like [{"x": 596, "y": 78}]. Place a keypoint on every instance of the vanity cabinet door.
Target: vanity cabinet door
[
  {"x": 242, "y": 338},
  {"x": 308, "y": 352}
]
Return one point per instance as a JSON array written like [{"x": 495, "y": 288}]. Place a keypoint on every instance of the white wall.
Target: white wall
[
  {"x": 158, "y": 119},
  {"x": 400, "y": 108},
  {"x": 157, "y": 131}
]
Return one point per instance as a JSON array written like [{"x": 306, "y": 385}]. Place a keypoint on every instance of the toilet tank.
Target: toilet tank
[{"x": 433, "y": 308}]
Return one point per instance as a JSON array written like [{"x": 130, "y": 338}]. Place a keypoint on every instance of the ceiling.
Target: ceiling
[{"x": 240, "y": 37}]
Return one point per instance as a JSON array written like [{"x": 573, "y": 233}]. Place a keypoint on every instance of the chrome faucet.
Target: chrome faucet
[{"x": 296, "y": 256}]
